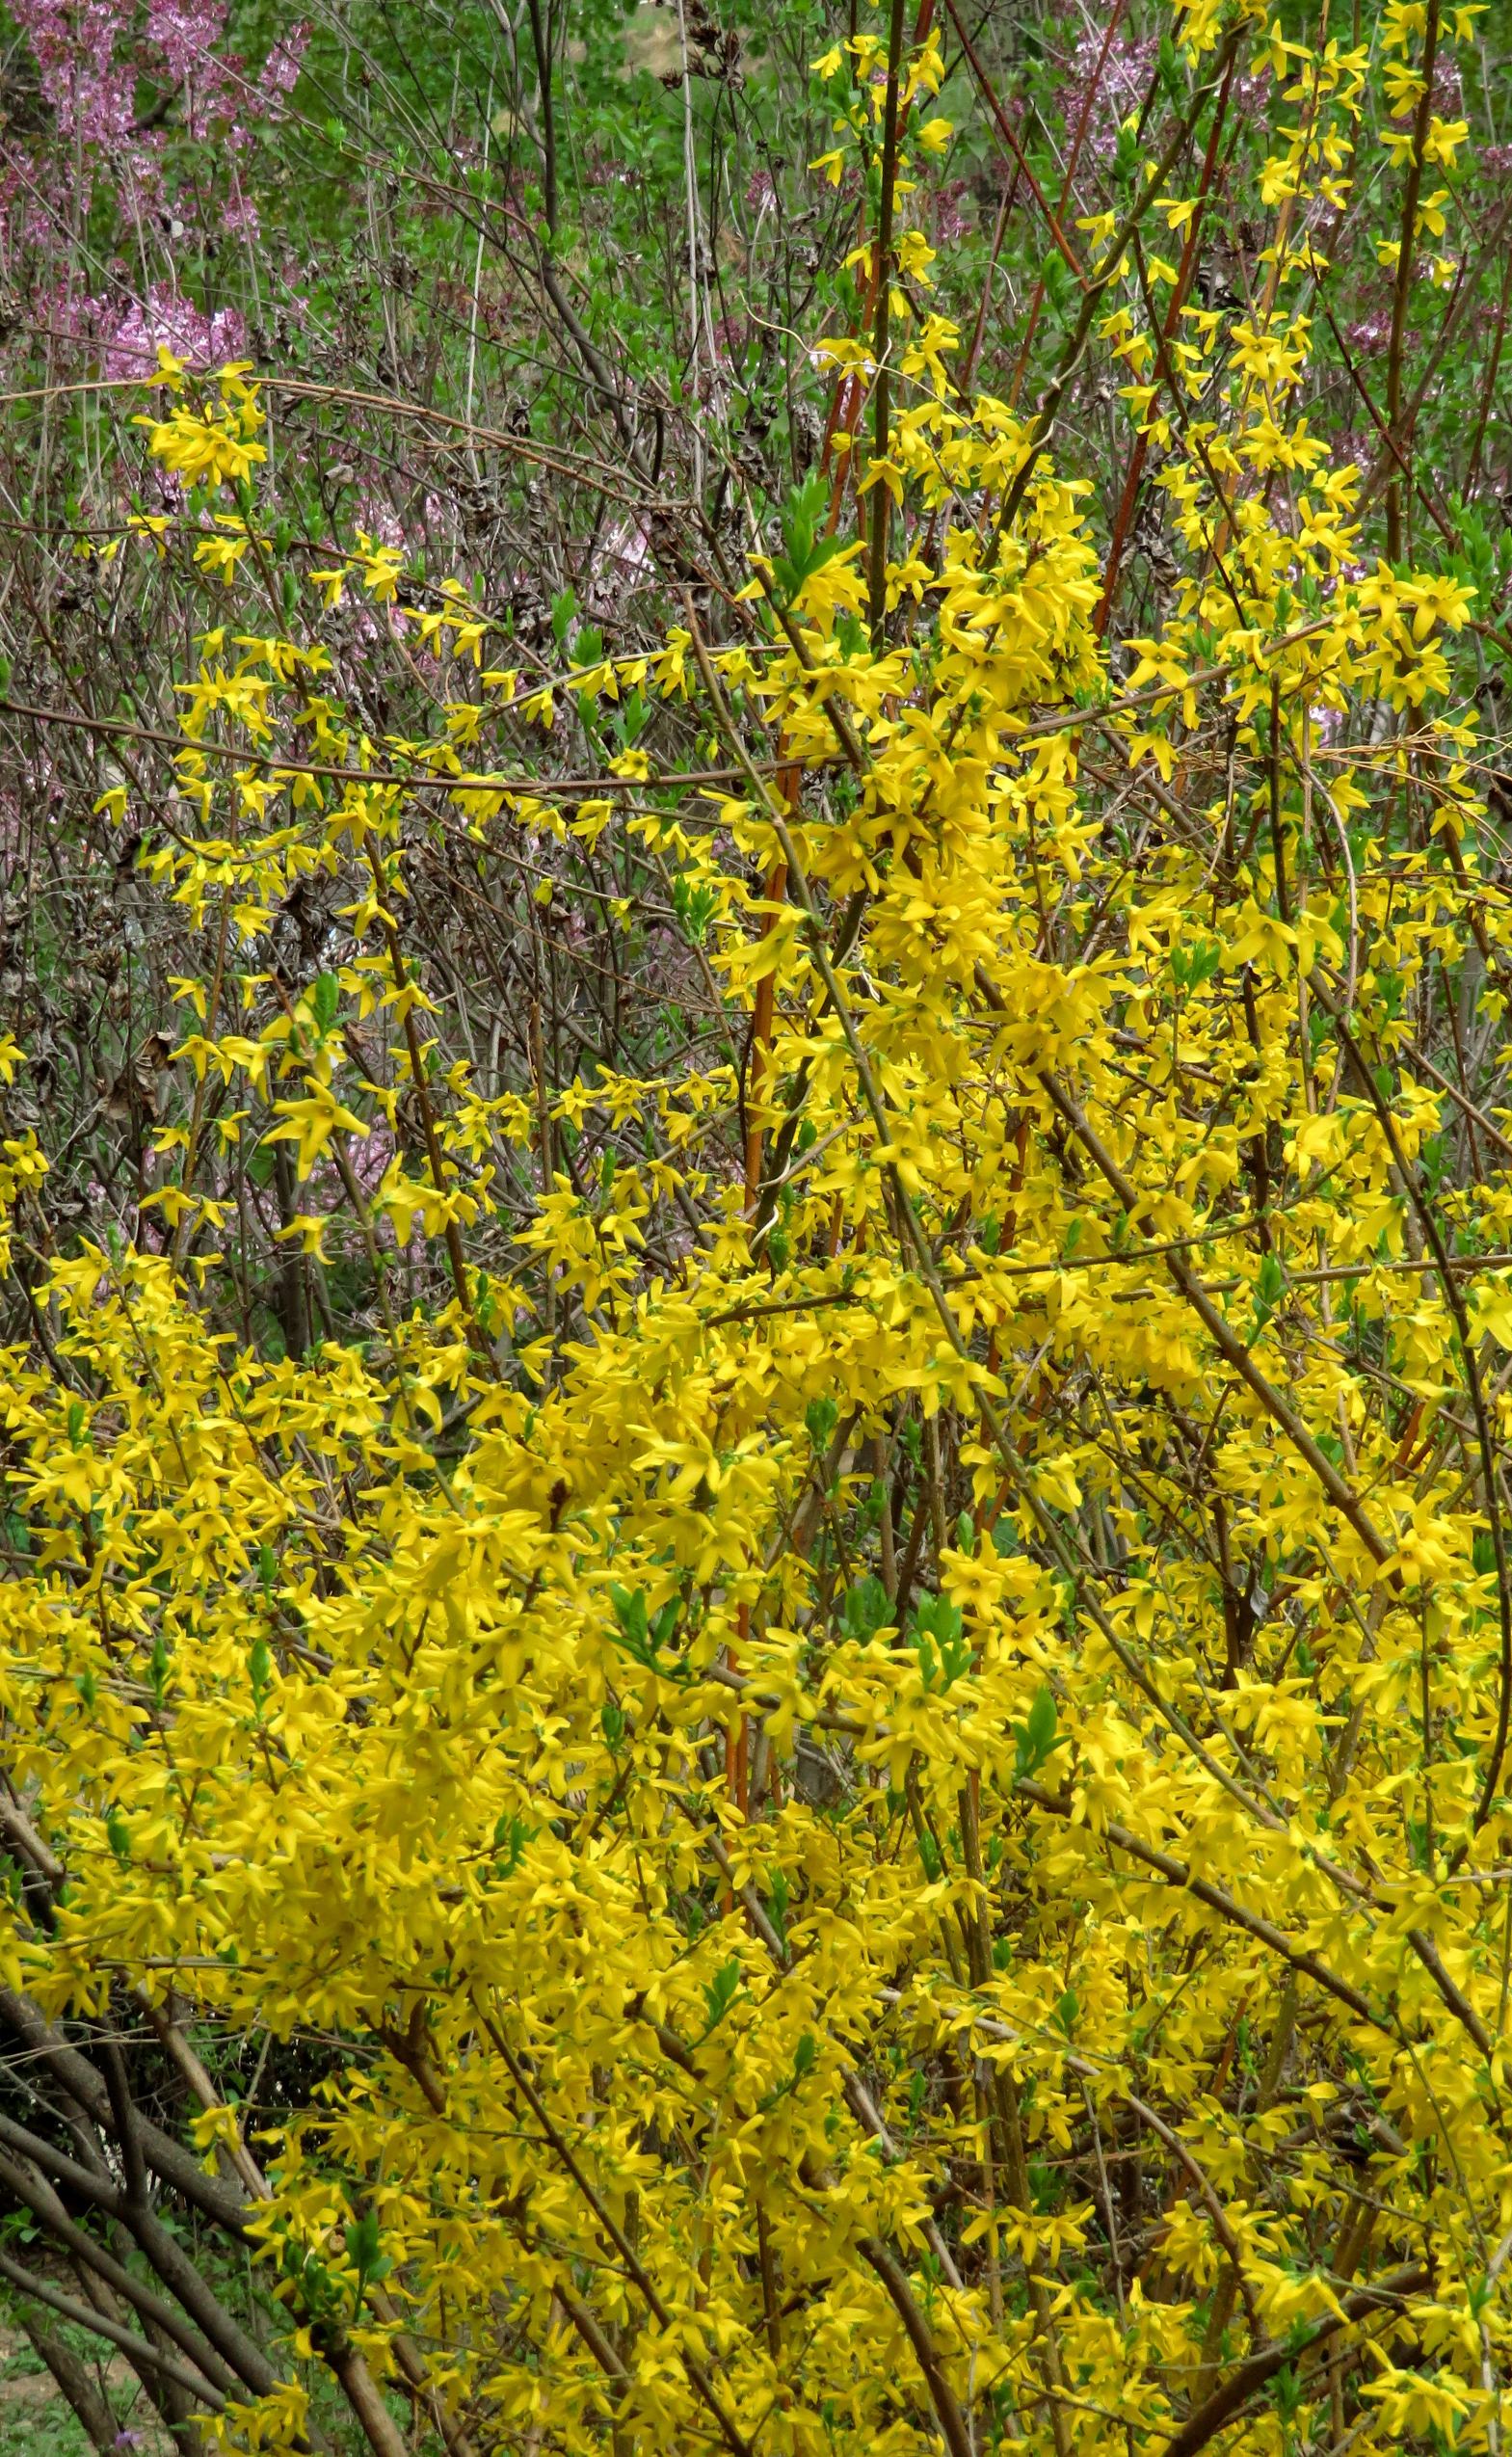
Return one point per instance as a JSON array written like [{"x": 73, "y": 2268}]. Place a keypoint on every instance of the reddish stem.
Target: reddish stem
[{"x": 1124, "y": 522}]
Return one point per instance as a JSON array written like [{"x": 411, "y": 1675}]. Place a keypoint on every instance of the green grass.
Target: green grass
[{"x": 36, "y": 2419}]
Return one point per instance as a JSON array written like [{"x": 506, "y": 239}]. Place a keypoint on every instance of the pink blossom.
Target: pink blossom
[
  {"x": 241, "y": 220},
  {"x": 950, "y": 221},
  {"x": 380, "y": 521},
  {"x": 1107, "y": 97},
  {"x": 165, "y": 317},
  {"x": 90, "y": 55},
  {"x": 185, "y": 31},
  {"x": 280, "y": 69},
  {"x": 74, "y": 42}
]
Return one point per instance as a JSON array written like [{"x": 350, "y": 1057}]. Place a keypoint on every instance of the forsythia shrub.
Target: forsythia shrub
[{"x": 889, "y": 1761}]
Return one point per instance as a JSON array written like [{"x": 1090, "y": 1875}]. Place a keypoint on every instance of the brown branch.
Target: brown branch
[
  {"x": 1266, "y": 2362},
  {"x": 84, "y": 2316},
  {"x": 694, "y": 2364},
  {"x": 1228, "y": 1345},
  {"x": 1406, "y": 251},
  {"x": 942, "y": 2397},
  {"x": 1187, "y": 1880}
]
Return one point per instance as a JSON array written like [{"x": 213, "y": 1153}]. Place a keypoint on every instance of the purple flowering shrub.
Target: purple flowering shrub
[
  {"x": 549, "y": 307},
  {"x": 127, "y": 175}
]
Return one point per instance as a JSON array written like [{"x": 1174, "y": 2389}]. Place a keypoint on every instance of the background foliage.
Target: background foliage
[{"x": 757, "y": 1635}]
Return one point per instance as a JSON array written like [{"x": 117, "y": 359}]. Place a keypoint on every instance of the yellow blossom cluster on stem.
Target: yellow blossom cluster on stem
[{"x": 840, "y": 1716}]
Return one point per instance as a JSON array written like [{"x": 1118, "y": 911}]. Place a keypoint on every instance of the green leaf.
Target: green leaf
[
  {"x": 866, "y": 1610},
  {"x": 1036, "y": 1736},
  {"x": 720, "y": 1994}
]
